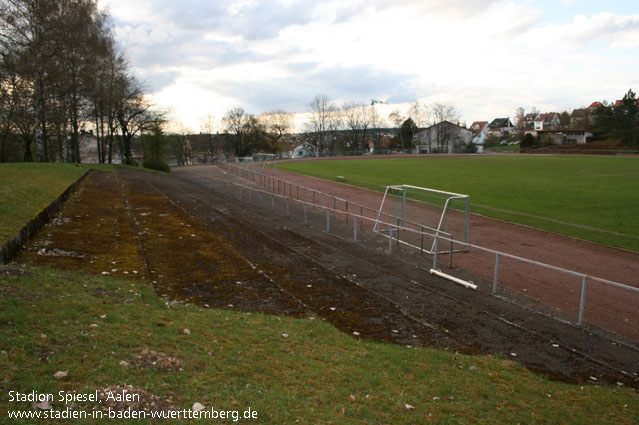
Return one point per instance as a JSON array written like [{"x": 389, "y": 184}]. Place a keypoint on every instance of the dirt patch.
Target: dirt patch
[
  {"x": 156, "y": 360},
  {"x": 91, "y": 232},
  {"x": 128, "y": 397}
]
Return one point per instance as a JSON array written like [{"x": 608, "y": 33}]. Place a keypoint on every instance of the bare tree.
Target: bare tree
[
  {"x": 68, "y": 71},
  {"x": 355, "y": 119},
  {"x": 134, "y": 114},
  {"x": 377, "y": 122},
  {"x": 420, "y": 114},
  {"x": 237, "y": 124},
  {"x": 323, "y": 121},
  {"x": 277, "y": 125},
  {"x": 397, "y": 120},
  {"x": 208, "y": 129}
]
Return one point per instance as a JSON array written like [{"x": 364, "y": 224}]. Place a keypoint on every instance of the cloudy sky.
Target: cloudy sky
[{"x": 486, "y": 57}]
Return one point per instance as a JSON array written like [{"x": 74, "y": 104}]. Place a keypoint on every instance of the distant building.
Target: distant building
[
  {"x": 479, "y": 129},
  {"x": 500, "y": 126},
  {"x": 549, "y": 121},
  {"x": 444, "y": 137},
  {"x": 303, "y": 150}
]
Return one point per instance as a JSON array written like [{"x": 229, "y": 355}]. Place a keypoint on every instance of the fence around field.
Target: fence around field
[{"x": 565, "y": 294}]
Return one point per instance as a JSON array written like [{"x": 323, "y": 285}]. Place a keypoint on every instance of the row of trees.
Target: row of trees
[
  {"x": 60, "y": 71},
  {"x": 619, "y": 121},
  {"x": 329, "y": 127}
]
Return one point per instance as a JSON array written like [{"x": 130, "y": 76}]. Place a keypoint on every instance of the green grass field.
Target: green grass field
[
  {"x": 593, "y": 198},
  {"x": 288, "y": 370},
  {"x": 27, "y": 188}
]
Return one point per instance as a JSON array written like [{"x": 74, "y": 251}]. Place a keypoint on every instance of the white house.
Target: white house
[
  {"x": 479, "y": 129},
  {"x": 303, "y": 150},
  {"x": 444, "y": 137},
  {"x": 549, "y": 121}
]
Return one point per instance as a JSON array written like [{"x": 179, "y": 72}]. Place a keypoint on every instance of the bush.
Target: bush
[
  {"x": 157, "y": 164},
  {"x": 131, "y": 162}
]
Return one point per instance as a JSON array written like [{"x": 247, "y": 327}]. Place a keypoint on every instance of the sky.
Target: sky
[{"x": 201, "y": 58}]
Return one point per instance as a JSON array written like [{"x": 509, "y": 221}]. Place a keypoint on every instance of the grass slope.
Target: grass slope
[
  {"x": 27, "y": 188},
  {"x": 594, "y": 198},
  {"x": 56, "y": 321}
]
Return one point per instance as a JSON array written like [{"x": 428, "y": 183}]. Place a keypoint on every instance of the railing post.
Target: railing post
[
  {"x": 288, "y": 211},
  {"x": 582, "y": 304},
  {"x": 467, "y": 222},
  {"x": 346, "y": 215},
  {"x": 355, "y": 228},
  {"x": 496, "y": 276},
  {"x": 328, "y": 220},
  {"x": 435, "y": 253},
  {"x": 450, "y": 266},
  {"x": 421, "y": 250},
  {"x": 390, "y": 239},
  {"x": 361, "y": 214},
  {"x": 305, "y": 219}
]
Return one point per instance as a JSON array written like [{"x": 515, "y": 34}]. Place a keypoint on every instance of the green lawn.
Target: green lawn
[
  {"x": 27, "y": 188},
  {"x": 594, "y": 198},
  {"x": 288, "y": 370}
]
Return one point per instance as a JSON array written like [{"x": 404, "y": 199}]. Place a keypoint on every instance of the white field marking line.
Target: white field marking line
[{"x": 552, "y": 220}]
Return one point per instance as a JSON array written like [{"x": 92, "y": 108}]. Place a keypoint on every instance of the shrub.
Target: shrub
[{"x": 158, "y": 164}]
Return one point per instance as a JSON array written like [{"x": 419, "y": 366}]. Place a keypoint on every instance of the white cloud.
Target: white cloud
[{"x": 487, "y": 57}]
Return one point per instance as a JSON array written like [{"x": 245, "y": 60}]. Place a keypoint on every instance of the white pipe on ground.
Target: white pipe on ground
[{"x": 439, "y": 273}]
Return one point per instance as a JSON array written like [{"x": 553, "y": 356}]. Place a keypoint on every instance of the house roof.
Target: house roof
[
  {"x": 446, "y": 123},
  {"x": 530, "y": 117},
  {"x": 500, "y": 123},
  {"x": 595, "y": 105},
  {"x": 478, "y": 126},
  {"x": 548, "y": 117}
]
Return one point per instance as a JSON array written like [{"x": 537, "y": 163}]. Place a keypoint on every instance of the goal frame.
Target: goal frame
[
  {"x": 437, "y": 231},
  {"x": 261, "y": 159}
]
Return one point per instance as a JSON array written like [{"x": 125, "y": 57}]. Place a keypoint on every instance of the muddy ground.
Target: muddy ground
[{"x": 198, "y": 245}]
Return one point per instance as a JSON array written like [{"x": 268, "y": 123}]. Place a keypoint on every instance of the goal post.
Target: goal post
[
  {"x": 425, "y": 215},
  {"x": 261, "y": 159}
]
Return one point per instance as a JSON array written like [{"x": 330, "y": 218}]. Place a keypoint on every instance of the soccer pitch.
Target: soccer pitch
[{"x": 593, "y": 198}]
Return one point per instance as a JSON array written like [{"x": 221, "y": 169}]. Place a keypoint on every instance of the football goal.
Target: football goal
[
  {"x": 261, "y": 159},
  {"x": 427, "y": 219}
]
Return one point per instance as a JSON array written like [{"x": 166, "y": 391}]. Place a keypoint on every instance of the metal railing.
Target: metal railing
[{"x": 365, "y": 218}]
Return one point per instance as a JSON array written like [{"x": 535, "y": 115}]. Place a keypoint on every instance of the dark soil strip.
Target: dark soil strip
[{"x": 348, "y": 306}]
